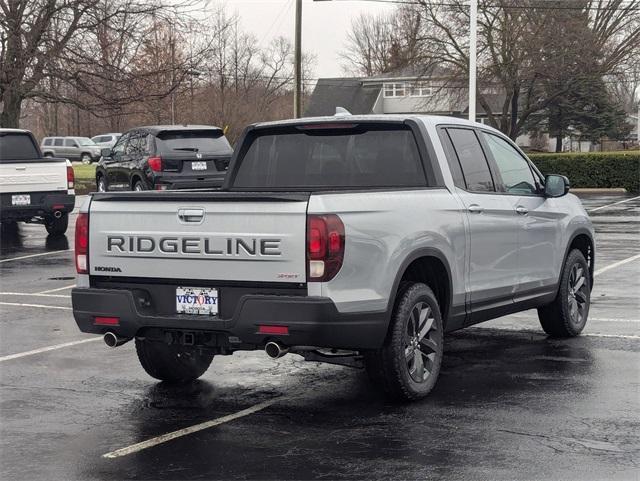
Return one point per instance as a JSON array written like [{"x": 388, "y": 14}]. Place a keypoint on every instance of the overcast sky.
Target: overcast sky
[{"x": 324, "y": 25}]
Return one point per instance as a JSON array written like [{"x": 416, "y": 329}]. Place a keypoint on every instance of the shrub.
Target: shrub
[{"x": 594, "y": 169}]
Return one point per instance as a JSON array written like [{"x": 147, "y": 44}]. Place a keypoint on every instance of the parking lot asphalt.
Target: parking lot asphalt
[{"x": 510, "y": 403}]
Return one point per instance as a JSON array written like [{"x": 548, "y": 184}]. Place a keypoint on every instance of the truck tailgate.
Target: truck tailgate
[
  {"x": 33, "y": 176},
  {"x": 213, "y": 236}
]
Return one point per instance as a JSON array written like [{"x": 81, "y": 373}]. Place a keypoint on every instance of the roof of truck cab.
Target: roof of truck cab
[
  {"x": 427, "y": 119},
  {"x": 156, "y": 129}
]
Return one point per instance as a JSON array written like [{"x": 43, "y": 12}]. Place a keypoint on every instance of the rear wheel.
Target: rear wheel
[
  {"x": 408, "y": 365},
  {"x": 139, "y": 186},
  {"x": 172, "y": 363},
  {"x": 567, "y": 315},
  {"x": 56, "y": 226}
]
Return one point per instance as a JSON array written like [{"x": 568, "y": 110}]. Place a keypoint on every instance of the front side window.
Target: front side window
[
  {"x": 118, "y": 149},
  {"x": 332, "y": 157},
  {"x": 514, "y": 169},
  {"x": 395, "y": 89},
  {"x": 472, "y": 160},
  {"x": 70, "y": 143}
]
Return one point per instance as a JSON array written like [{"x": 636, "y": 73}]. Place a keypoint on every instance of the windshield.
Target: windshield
[
  {"x": 373, "y": 155},
  {"x": 85, "y": 141},
  {"x": 203, "y": 141}
]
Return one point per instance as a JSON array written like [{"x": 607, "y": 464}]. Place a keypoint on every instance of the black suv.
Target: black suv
[{"x": 165, "y": 157}]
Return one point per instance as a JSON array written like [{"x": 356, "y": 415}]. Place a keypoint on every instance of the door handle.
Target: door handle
[
  {"x": 522, "y": 210},
  {"x": 475, "y": 209},
  {"x": 21, "y": 168},
  {"x": 191, "y": 215}
]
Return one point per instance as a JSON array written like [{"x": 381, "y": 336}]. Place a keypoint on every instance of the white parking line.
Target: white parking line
[
  {"x": 34, "y": 305},
  {"x": 615, "y": 203},
  {"x": 46, "y": 349},
  {"x": 33, "y": 255},
  {"x": 32, "y": 294},
  {"x": 149, "y": 443},
  {"x": 616, "y": 264},
  {"x": 58, "y": 289}
]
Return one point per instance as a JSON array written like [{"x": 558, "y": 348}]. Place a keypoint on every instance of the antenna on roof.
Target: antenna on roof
[{"x": 341, "y": 112}]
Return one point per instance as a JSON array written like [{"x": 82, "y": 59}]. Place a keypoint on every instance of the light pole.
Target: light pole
[
  {"x": 297, "y": 68},
  {"x": 473, "y": 46}
]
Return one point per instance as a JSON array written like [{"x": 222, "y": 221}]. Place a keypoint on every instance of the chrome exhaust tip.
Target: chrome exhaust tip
[
  {"x": 112, "y": 340},
  {"x": 275, "y": 350},
  {"x": 57, "y": 214}
]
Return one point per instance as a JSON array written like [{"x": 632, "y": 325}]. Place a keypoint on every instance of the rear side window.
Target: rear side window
[
  {"x": 58, "y": 142},
  {"x": 203, "y": 141},
  {"x": 354, "y": 156},
  {"x": 17, "y": 146},
  {"x": 472, "y": 160},
  {"x": 452, "y": 159}
]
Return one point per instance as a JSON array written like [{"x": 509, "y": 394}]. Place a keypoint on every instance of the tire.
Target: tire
[
  {"x": 48, "y": 154},
  {"x": 567, "y": 315},
  {"x": 399, "y": 367},
  {"x": 138, "y": 186},
  {"x": 85, "y": 158},
  {"x": 101, "y": 184},
  {"x": 56, "y": 226},
  {"x": 172, "y": 363}
]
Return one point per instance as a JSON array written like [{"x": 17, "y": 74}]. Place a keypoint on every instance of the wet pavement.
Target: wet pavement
[{"x": 510, "y": 403}]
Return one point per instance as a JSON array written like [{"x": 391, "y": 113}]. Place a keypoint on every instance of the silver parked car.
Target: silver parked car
[
  {"x": 106, "y": 141},
  {"x": 72, "y": 148}
]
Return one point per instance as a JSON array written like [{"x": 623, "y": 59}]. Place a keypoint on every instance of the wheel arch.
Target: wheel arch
[
  {"x": 581, "y": 239},
  {"x": 431, "y": 267}
]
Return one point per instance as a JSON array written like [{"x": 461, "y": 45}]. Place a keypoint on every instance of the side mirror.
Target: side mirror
[
  {"x": 105, "y": 153},
  {"x": 556, "y": 185}
]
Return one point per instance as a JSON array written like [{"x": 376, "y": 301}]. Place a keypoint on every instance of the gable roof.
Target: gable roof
[{"x": 349, "y": 93}]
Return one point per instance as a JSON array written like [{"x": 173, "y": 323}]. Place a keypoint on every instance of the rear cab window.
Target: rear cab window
[
  {"x": 330, "y": 156},
  {"x": 17, "y": 146},
  {"x": 204, "y": 141}
]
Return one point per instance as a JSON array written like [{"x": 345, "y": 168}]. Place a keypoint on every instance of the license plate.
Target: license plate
[
  {"x": 197, "y": 300},
  {"x": 21, "y": 199},
  {"x": 199, "y": 165}
]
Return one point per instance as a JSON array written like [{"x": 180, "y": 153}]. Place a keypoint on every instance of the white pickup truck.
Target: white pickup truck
[
  {"x": 368, "y": 234},
  {"x": 33, "y": 188}
]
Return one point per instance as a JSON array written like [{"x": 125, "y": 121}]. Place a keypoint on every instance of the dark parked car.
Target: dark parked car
[{"x": 163, "y": 157}]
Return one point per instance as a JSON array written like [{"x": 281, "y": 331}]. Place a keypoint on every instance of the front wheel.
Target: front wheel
[
  {"x": 56, "y": 226},
  {"x": 567, "y": 315},
  {"x": 408, "y": 365},
  {"x": 172, "y": 363},
  {"x": 101, "y": 184},
  {"x": 85, "y": 158}
]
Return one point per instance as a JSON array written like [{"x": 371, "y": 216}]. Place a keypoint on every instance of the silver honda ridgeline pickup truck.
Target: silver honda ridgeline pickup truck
[{"x": 357, "y": 240}]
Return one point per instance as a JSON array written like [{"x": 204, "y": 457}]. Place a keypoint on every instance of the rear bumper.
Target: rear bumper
[
  {"x": 42, "y": 203},
  {"x": 312, "y": 321}
]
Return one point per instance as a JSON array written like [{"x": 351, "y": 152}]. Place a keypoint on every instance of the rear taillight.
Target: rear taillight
[
  {"x": 155, "y": 164},
  {"x": 325, "y": 246},
  {"x": 82, "y": 244},
  {"x": 70, "y": 177}
]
